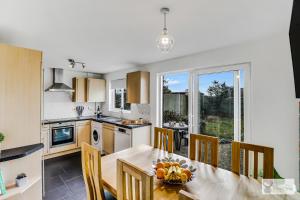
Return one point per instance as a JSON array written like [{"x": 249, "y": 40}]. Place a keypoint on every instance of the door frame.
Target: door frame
[
  {"x": 246, "y": 66},
  {"x": 237, "y": 109}
]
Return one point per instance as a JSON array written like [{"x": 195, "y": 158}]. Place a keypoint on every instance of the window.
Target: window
[
  {"x": 119, "y": 99},
  {"x": 118, "y": 95}
]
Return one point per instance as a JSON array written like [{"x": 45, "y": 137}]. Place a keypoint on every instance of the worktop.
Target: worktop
[
  {"x": 94, "y": 118},
  {"x": 19, "y": 152}
]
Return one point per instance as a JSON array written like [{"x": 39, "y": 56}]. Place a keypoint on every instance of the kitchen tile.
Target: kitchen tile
[
  {"x": 76, "y": 185},
  {"x": 58, "y": 193},
  {"x": 52, "y": 183}
]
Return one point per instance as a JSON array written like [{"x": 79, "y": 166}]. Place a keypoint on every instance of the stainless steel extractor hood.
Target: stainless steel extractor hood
[{"x": 58, "y": 85}]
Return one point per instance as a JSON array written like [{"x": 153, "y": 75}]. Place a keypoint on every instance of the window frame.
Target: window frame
[{"x": 112, "y": 107}]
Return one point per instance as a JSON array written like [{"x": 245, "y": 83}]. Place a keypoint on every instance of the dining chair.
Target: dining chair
[
  {"x": 133, "y": 183},
  {"x": 91, "y": 169},
  {"x": 184, "y": 195},
  {"x": 163, "y": 139},
  {"x": 244, "y": 148},
  {"x": 203, "y": 142}
]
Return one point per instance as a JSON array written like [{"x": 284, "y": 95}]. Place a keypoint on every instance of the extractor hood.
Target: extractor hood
[{"x": 58, "y": 85}]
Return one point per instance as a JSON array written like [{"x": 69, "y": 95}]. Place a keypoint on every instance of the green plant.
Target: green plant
[{"x": 2, "y": 137}]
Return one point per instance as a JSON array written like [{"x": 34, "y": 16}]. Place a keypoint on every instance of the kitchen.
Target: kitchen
[
  {"x": 72, "y": 117},
  {"x": 92, "y": 92}
]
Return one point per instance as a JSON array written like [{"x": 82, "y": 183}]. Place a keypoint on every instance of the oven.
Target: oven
[{"x": 62, "y": 134}]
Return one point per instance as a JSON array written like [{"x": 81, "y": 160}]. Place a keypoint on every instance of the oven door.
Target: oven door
[{"x": 62, "y": 135}]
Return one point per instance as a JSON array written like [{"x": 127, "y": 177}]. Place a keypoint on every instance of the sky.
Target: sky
[{"x": 179, "y": 82}]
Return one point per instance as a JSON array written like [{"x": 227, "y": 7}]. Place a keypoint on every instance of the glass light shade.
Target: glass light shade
[{"x": 165, "y": 42}]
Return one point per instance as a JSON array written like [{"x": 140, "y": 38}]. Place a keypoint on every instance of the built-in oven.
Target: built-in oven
[{"x": 62, "y": 134}]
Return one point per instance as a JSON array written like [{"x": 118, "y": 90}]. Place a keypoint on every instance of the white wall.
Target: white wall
[
  {"x": 137, "y": 110},
  {"x": 59, "y": 104},
  {"x": 273, "y": 106}
]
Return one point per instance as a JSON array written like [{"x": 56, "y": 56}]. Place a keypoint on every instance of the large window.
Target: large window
[
  {"x": 118, "y": 96},
  {"x": 209, "y": 101}
]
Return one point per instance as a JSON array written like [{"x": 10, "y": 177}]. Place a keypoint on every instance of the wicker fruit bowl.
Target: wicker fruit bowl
[{"x": 173, "y": 171}]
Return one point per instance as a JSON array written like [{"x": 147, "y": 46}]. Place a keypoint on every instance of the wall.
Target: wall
[
  {"x": 273, "y": 107},
  {"x": 137, "y": 110},
  {"x": 59, "y": 104}
]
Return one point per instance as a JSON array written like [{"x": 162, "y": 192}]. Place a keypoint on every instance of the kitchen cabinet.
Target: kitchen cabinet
[
  {"x": 79, "y": 85},
  {"x": 138, "y": 84},
  {"x": 20, "y": 95},
  {"x": 95, "y": 90},
  {"x": 108, "y": 132},
  {"x": 83, "y": 132}
]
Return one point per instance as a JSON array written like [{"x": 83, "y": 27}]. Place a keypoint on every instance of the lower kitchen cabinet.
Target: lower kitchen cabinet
[
  {"x": 83, "y": 132},
  {"x": 108, "y": 132}
]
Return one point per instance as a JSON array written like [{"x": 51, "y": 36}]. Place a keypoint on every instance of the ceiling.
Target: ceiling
[{"x": 110, "y": 35}]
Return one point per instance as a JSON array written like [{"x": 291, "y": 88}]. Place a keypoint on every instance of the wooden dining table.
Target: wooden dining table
[{"x": 209, "y": 183}]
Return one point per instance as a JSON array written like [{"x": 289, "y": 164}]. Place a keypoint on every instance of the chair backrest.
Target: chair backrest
[
  {"x": 131, "y": 179},
  {"x": 91, "y": 169},
  {"x": 184, "y": 195},
  {"x": 268, "y": 159},
  {"x": 163, "y": 139},
  {"x": 204, "y": 142}
]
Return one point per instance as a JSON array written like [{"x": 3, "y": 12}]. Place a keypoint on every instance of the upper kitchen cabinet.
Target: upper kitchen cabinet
[
  {"x": 79, "y": 85},
  {"x": 138, "y": 87},
  {"x": 20, "y": 95},
  {"x": 95, "y": 90}
]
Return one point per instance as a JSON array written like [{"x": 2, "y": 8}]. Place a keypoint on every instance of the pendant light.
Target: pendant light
[{"x": 165, "y": 42}]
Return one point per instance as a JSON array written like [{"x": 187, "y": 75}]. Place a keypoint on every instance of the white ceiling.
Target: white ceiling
[{"x": 113, "y": 34}]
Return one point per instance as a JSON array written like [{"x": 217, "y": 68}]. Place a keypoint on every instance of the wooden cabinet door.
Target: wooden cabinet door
[
  {"x": 95, "y": 90},
  {"x": 138, "y": 87},
  {"x": 79, "y": 85},
  {"x": 83, "y": 134},
  {"x": 108, "y": 138},
  {"x": 20, "y": 96}
]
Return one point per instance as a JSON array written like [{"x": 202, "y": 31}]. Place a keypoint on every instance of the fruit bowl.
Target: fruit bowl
[{"x": 172, "y": 171}]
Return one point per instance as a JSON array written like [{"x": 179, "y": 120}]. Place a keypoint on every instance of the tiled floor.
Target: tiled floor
[{"x": 63, "y": 178}]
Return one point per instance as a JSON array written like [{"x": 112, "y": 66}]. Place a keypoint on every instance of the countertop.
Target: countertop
[
  {"x": 102, "y": 119},
  {"x": 19, "y": 152}
]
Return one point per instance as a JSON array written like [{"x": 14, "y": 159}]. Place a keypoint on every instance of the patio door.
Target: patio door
[{"x": 218, "y": 108}]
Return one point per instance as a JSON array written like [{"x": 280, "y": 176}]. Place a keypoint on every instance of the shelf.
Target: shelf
[{"x": 19, "y": 190}]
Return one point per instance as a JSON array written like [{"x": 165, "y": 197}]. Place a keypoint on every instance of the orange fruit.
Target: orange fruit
[
  {"x": 183, "y": 177},
  {"x": 159, "y": 165},
  {"x": 175, "y": 164},
  {"x": 160, "y": 173},
  {"x": 187, "y": 172},
  {"x": 167, "y": 165}
]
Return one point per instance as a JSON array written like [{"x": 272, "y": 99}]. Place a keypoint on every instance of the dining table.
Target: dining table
[{"x": 208, "y": 182}]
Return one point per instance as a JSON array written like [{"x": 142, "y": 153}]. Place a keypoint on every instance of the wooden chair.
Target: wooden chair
[
  {"x": 268, "y": 159},
  {"x": 91, "y": 168},
  {"x": 163, "y": 139},
  {"x": 204, "y": 140},
  {"x": 127, "y": 174},
  {"x": 184, "y": 195}
]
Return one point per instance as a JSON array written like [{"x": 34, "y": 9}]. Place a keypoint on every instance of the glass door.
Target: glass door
[
  {"x": 175, "y": 108},
  {"x": 218, "y": 109}
]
